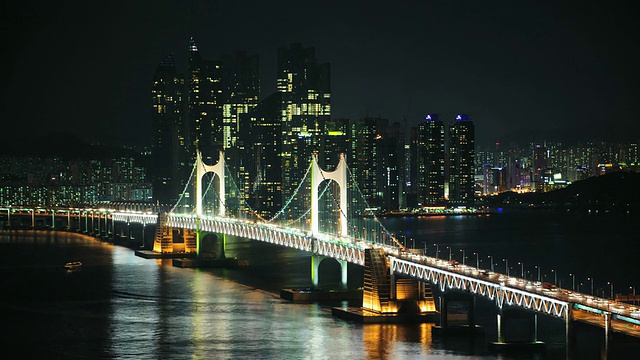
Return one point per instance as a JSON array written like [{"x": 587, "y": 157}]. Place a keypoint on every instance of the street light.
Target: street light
[
  {"x": 506, "y": 265},
  {"x": 491, "y": 258},
  {"x": 538, "y": 267},
  {"x": 463, "y": 256},
  {"x": 590, "y": 278},
  {"x": 521, "y": 269},
  {"x": 611, "y": 283},
  {"x": 437, "y": 250},
  {"x": 573, "y": 281},
  {"x": 477, "y": 260},
  {"x": 449, "y": 247},
  {"x": 555, "y": 277}
]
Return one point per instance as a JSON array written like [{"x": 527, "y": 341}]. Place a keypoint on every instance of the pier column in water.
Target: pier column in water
[
  {"x": 500, "y": 323},
  {"x": 607, "y": 335},
  {"x": 569, "y": 335},
  {"x": 315, "y": 265},
  {"x": 443, "y": 311}
]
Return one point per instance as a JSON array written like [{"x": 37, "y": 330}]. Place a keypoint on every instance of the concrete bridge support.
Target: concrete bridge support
[
  {"x": 165, "y": 240},
  {"x": 508, "y": 320},
  {"x": 315, "y": 265},
  {"x": 462, "y": 320},
  {"x": 606, "y": 349},
  {"x": 385, "y": 294}
]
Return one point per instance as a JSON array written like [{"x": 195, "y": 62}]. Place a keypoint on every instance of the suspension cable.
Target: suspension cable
[
  {"x": 295, "y": 193},
  {"x": 355, "y": 183},
  {"x": 185, "y": 188}
]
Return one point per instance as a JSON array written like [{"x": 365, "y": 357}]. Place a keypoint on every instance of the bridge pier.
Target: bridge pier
[
  {"x": 607, "y": 335},
  {"x": 315, "y": 265},
  {"x": 460, "y": 326},
  {"x": 388, "y": 299},
  {"x": 528, "y": 341},
  {"x": 570, "y": 339}
]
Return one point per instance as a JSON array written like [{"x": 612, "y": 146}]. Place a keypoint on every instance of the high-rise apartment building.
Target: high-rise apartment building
[
  {"x": 260, "y": 132},
  {"x": 461, "y": 161},
  {"x": 305, "y": 89},
  {"x": 368, "y": 158},
  {"x": 169, "y": 155},
  {"x": 430, "y": 160},
  {"x": 336, "y": 139},
  {"x": 241, "y": 89},
  {"x": 204, "y": 104}
]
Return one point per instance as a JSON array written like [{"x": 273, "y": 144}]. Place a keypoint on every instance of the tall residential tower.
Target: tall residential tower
[
  {"x": 430, "y": 160},
  {"x": 169, "y": 154},
  {"x": 461, "y": 161},
  {"x": 305, "y": 88}
]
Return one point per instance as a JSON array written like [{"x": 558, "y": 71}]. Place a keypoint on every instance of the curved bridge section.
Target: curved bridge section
[{"x": 297, "y": 239}]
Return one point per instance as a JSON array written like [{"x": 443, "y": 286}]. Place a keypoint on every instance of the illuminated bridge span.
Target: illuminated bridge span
[{"x": 326, "y": 216}]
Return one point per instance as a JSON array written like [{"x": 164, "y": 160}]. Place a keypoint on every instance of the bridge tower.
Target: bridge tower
[
  {"x": 339, "y": 175},
  {"x": 218, "y": 169},
  {"x": 201, "y": 170},
  {"x": 165, "y": 233}
]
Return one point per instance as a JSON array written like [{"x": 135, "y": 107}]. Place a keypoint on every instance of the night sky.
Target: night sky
[{"x": 515, "y": 67}]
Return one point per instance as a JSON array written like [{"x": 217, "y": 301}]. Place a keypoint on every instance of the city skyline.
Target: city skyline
[{"x": 513, "y": 68}]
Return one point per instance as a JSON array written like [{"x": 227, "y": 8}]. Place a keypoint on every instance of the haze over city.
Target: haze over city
[{"x": 540, "y": 67}]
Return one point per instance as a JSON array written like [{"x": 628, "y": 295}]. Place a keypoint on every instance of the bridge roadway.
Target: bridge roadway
[{"x": 503, "y": 289}]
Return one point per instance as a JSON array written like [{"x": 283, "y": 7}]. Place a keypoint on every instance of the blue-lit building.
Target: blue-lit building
[
  {"x": 430, "y": 161},
  {"x": 461, "y": 161}
]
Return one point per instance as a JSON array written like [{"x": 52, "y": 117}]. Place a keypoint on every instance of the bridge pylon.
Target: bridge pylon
[
  {"x": 218, "y": 169},
  {"x": 339, "y": 175}
]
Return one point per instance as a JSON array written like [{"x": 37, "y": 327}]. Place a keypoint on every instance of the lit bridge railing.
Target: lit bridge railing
[
  {"x": 499, "y": 292},
  {"x": 501, "y": 289},
  {"x": 336, "y": 247},
  {"x": 135, "y": 217}
]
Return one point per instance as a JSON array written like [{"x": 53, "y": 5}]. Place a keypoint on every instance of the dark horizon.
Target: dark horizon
[{"x": 514, "y": 68}]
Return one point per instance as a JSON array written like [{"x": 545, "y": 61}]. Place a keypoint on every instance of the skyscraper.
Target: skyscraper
[
  {"x": 430, "y": 162},
  {"x": 169, "y": 132},
  {"x": 241, "y": 89},
  {"x": 261, "y": 135},
  {"x": 461, "y": 161},
  {"x": 204, "y": 103},
  {"x": 305, "y": 88},
  {"x": 368, "y": 158}
]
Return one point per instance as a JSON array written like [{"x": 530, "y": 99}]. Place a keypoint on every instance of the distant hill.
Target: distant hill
[
  {"x": 61, "y": 145},
  {"x": 618, "y": 191}
]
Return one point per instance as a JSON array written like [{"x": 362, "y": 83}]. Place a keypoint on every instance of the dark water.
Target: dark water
[{"x": 122, "y": 306}]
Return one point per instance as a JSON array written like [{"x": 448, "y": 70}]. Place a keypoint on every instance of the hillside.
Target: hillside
[{"x": 619, "y": 191}]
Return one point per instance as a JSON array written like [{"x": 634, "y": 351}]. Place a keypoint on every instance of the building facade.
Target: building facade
[{"x": 461, "y": 161}]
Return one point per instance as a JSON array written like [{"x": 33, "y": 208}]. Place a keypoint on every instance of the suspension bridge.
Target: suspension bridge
[{"x": 327, "y": 215}]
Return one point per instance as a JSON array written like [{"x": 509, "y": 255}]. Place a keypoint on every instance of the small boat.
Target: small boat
[{"x": 74, "y": 265}]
